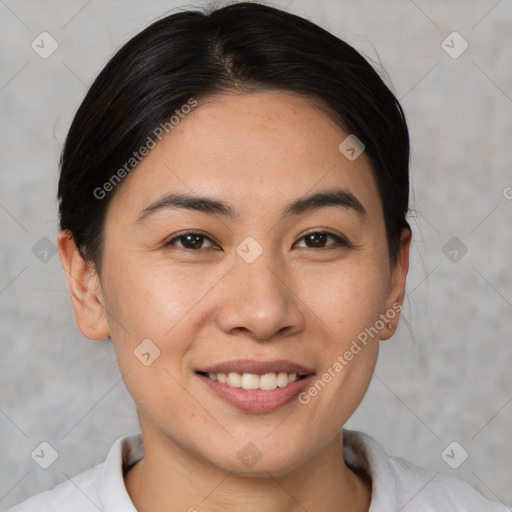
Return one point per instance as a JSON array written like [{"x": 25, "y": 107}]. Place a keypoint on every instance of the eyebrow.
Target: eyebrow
[{"x": 338, "y": 197}]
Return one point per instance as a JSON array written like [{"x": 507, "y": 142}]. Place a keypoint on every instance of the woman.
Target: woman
[{"x": 233, "y": 200}]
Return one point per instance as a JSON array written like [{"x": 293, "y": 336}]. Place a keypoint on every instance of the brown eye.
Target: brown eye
[
  {"x": 318, "y": 239},
  {"x": 190, "y": 240},
  {"x": 195, "y": 241}
]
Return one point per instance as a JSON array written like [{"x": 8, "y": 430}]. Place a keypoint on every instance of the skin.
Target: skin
[{"x": 257, "y": 152}]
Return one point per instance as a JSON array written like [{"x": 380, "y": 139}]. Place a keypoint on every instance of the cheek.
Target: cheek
[
  {"x": 347, "y": 298},
  {"x": 349, "y": 351},
  {"x": 347, "y": 302},
  {"x": 151, "y": 305},
  {"x": 151, "y": 298},
  {"x": 156, "y": 302}
]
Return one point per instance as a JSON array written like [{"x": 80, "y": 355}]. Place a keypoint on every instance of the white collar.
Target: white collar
[{"x": 112, "y": 490}]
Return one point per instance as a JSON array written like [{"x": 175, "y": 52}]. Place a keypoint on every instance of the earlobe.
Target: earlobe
[
  {"x": 397, "y": 290},
  {"x": 84, "y": 288}
]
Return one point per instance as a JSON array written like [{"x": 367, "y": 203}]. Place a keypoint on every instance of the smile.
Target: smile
[
  {"x": 265, "y": 382},
  {"x": 256, "y": 386}
]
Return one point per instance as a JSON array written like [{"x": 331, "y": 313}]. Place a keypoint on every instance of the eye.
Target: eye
[
  {"x": 194, "y": 240},
  {"x": 317, "y": 239},
  {"x": 191, "y": 240}
]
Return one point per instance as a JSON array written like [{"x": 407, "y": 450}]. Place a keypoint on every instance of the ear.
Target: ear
[
  {"x": 85, "y": 289},
  {"x": 397, "y": 285}
]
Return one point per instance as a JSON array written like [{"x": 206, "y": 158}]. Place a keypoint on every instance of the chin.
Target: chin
[{"x": 258, "y": 459}]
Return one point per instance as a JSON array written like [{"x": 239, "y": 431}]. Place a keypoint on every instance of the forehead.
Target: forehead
[{"x": 263, "y": 148}]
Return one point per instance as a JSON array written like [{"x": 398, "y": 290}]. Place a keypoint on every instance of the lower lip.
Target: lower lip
[{"x": 257, "y": 400}]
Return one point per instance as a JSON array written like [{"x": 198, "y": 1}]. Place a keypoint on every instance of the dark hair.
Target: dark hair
[{"x": 194, "y": 54}]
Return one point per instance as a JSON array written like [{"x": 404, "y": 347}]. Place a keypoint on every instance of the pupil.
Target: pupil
[
  {"x": 314, "y": 237},
  {"x": 193, "y": 241}
]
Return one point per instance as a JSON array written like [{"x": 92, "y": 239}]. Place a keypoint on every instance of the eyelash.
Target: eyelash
[{"x": 339, "y": 240}]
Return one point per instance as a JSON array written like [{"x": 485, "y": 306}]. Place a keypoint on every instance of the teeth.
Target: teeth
[{"x": 267, "y": 382}]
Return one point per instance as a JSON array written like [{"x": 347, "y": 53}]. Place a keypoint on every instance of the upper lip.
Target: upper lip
[{"x": 257, "y": 367}]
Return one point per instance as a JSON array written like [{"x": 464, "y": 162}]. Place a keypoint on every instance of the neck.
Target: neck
[{"x": 171, "y": 479}]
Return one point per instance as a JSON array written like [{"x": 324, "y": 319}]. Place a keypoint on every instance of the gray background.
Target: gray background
[{"x": 445, "y": 378}]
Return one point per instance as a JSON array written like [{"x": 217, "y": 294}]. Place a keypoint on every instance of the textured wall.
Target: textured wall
[{"x": 444, "y": 378}]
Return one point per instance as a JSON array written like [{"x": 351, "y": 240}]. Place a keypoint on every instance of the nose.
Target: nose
[{"x": 258, "y": 300}]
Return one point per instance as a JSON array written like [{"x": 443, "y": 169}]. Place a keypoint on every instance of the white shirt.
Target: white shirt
[{"x": 397, "y": 485}]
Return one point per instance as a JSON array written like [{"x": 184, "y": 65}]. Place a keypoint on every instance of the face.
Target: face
[{"x": 259, "y": 287}]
